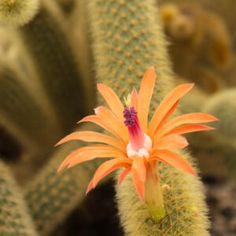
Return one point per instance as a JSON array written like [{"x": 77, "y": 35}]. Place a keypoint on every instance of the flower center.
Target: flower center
[{"x": 140, "y": 143}]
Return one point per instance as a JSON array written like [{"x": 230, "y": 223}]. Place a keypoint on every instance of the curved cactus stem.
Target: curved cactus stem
[
  {"x": 46, "y": 38},
  {"x": 14, "y": 216},
  {"x": 51, "y": 196}
]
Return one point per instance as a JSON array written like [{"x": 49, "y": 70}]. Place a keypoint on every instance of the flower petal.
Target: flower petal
[
  {"x": 90, "y": 187},
  {"x": 123, "y": 175},
  {"x": 170, "y": 141},
  {"x": 109, "y": 166},
  {"x": 112, "y": 100},
  {"x": 138, "y": 171},
  {"x": 134, "y": 99},
  {"x": 192, "y": 118},
  {"x": 91, "y": 136},
  {"x": 173, "y": 159},
  {"x": 84, "y": 154},
  {"x": 167, "y": 104},
  {"x": 115, "y": 123},
  {"x": 168, "y": 114},
  {"x": 145, "y": 95},
  {"x": 191, "y": 128},
  {"x": 104, "y": 124}
]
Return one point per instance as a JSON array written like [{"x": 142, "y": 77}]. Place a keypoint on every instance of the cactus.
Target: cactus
[
  {"x": 218, "y": 149},
  {"x": 46, "y": 39},
  {"x": 15, "y": 97},
  {"x": 17, "y": 13},
  {"x": 81, "y": 41},
  {"x": 51, "y": 196},
  {"x": 14, "y": 216},
  {"x": 203, "y": 42},
  {"x": 194, "y": 101},
  {"x": 127, "y": 38}
]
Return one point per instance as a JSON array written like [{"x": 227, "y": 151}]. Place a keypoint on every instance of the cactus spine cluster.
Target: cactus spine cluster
[{"x": 127, "y": 38}]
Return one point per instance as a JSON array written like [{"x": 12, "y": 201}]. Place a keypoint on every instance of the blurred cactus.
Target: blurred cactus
[
  {"x": 192, "y": 102},
  {"x": 14, "y": 216},
  {"x": 51, "y": 196},
  {"x": 66, "y": 5},
  {"x": 46, "y": 38},
  {"x": 23, "y": 118},
  {"x": 202, "y": 42},
  {"x": 127, "y": 38},
  {"x": 49, "y": 70},
  {"x": 17, "y": 12},
  {"x": 216, "y": 151}
]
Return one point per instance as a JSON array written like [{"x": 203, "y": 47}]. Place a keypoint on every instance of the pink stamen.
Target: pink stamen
[{"x": 135, "y": 133}]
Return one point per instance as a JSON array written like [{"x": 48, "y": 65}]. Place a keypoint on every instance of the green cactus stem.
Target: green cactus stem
[
  {"x": 51, "y": 196},
  {"x": 127, "y": 38},
  {"x": 21, "y": 115},
  {"x": 14, "y": 216},
  {"x": 47, "y": 40}
]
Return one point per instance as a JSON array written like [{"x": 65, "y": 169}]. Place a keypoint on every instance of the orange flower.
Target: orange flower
[{"x": 135, "y": 144}]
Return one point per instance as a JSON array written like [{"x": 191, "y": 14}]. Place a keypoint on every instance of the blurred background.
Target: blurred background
[{"x": 47, "y": 84}]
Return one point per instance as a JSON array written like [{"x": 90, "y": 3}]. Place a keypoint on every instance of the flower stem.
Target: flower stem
[{"x": 153, "y": 193}]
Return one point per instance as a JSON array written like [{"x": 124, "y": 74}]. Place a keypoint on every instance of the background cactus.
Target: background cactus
[
  {"x": 46, "y": 39},
  {"x": 127, "y": 38},
  {"x": 217, "y": 150},
  {"x": 17, "y": 13},
  {"x": 14, "y": 93},
  {"x": 14, "y": 215},
  {"x": 201, "y": 38},
  {"x": 51, "y": 196}
]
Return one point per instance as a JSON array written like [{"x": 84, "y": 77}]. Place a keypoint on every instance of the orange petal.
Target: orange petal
[
  {"x": 90, "y": 187},
  {"x": 123, "y": 175},
  {"x": 89, "y": 153},
  {"x": 192, "y": 118},
  {"x": 104, "y": 124},
  {"x": 112, "y": 100},
  {"x": 117, "y": 125},
  {"x": 170, "y": 141},
  {"x": 191, "y": 128},
  {"x": 168, "y": 114},
  {"x": 134, "y": 99},
  {"x": 174, "y": 159},
  {"x": 91, "y": 136},
  {"x": 109, "y": 166},
  {"x": 138, "y": 172},
  {"x": 145, "y": 95},
  {"x": 167, "y": 104}
]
